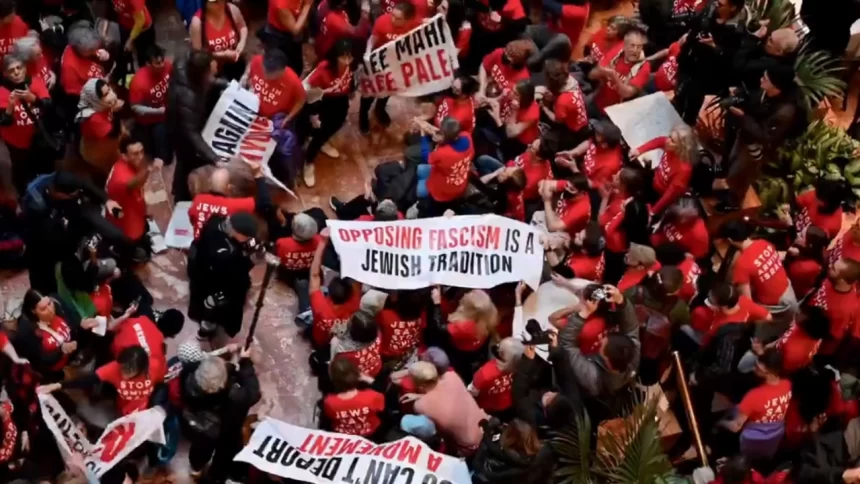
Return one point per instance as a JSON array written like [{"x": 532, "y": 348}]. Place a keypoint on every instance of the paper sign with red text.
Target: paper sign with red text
[
  {"x": 321, "y": 457},
  {"x": 419, "y": 63}
]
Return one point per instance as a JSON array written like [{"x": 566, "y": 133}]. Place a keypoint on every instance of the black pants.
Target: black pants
[
  {"x": 155, "y": 142},
  {"x": 233, "y": 71},
  {"x": 25, "y": 167},
  {"x": 689, "y": 96},
  {"x": 367, "y": 103},
  {"x": 332, "y": 111},
  {"x": 274, "y": 38}
]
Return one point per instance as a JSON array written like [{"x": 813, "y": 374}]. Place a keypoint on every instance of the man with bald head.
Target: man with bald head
[
  {"x": 219, "y": 200},
  {"x": 762, "y": 50}
]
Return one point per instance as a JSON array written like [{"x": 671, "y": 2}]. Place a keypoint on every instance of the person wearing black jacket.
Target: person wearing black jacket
[
  {"x": 219, "y": 262},
  {"x": 192, "y": 86}
]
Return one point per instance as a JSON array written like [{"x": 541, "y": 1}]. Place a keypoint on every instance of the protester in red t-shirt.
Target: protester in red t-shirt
[
  {"x": 279, "y": 88},
  {"x": 727, "y": 305},
  {"x": 99, "y": 126},
  {"x": 296, "y": 252},
  {"x": 513, "y": 180},
  {"x": 388, "y": 27},
  {"x": 443, "y": 174},
  {"x": 147, "y": 94},
  {"x": 141, "y": 331},
  {"x": 217, "y": 201},
  {"x": 601, "y": 155},
  {"x": 360, "y": 343},
  {"x": 766, "y": 403},
  {"x": 815, "y": 399},
  {"x": 492, "y": 384},
  {"x": 757, "y": 271},
  {"x": 801, "y": 342},
  {"x": 805, "y": 259},
  {"x": 286, "y": 21},
  {"x": 536, "y": 166},
  {"x": 640, "y": 261},
  {"x": 821, "y": 207},
  {"x": 683, "y": 225},
  {"x": 673, "y": 174},
  {"x": 666, "y": 77},
  {"x": 563, "y": 103},
  {"x": 125, "y": 186},
  {"x": 572, "y": 210},
  {"x": 220, "y": 29},
  {"x": 330, "y": 312},
  {"x": 12, "y": 27},
  {"x": 624, "y": 218},
  {"x": 672, "y": 254},
  {"x": 505, "y": 67},
  {"x": 586, "y": 260},
  {"x": 21, "y": 99},
  {"x": 334, "y": 25},
  {"x": 39, "y": 63},
  {"x": 606, "y": 39},
  {"x": 519, "y": 115},
  {"x": 401, "y": 324},
  {"x": 469, "y": 327},
  {"x": 623, "y": 71},
  {"x": 81, "y": 62},
  {"x": 847, "y": 246},
  {"x": 55, "y": 337},
  {"x": 460, "y": 106},
  {"x": 567, "y": 19},
  {"x": 349, "y": 410},
  {"x": 333, "y": 76},
  {"x": 839, "y": 299}
]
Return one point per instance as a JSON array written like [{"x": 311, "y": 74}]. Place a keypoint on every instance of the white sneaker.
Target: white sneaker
[
  {"x": 330, "y": 151},
  {"x": 308, "y": 175}
]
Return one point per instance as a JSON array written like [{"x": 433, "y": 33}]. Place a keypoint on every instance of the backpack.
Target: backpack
[{"x": 33, "y": 201}]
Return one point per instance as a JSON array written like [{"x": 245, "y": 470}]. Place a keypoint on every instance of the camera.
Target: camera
[
  {"x": 600, "y": 294},
  {"x": 739, "y": 98},
  {"x": 537, "y": 335}
]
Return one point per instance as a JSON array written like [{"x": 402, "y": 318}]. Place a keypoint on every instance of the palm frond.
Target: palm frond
[
  {"x": 818, "y": 76},
  {"x": 572, "y": 445},
  {"x": 778, "y": 13}
]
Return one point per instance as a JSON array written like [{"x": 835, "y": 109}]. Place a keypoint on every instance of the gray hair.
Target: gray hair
[
  {"x": 84, "y": 37},
  {"x": 386, "y": 209},
  {"x": 450, "y": 128},
  {"x": 438, "y": 358},
  {"x": 304, "y": 227},
  {"x": 10, "y": 59},
  {"x": 510, "y": 352},
  {"x": 211, "y": 375},
  {"x": 26, "y": 47}
]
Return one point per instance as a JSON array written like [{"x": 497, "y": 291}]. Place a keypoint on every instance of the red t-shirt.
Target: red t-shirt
[
  {"x": 610, "y": 220},
  {"x": 206, "y": 205},
  {"x": 570, "y": 110},
  {"x": 803, "y": 274},
  {"x": 40, "y": 68},
  {"x": 571, "y": 22},
  {"x": 294, "y": 6},
  {"x": 367, "y": 359},
  {"x": 798, "y": 431},
  {"x": 809, "y": 214},
  {"x": 494, "y": 387},
  {"x": 505, "y": 76},
  {"x": 535, "y": 170},
  {"x": 748, "y": 312},
  {"x": 513, "y": 10},
  {"x": 294, "y": 255},
  {"x": 666, "y": 77},
  {"x": 449, "y": 173},
  {"x": 75, "y": 71},
  {"x": 574, "y": 212},
  {"x": 322, "y": 78},
  {"x": 385, "y": 31},
  {"x": 102, "y": 299},
  {"x": 10, "y": 32},
  {"x": 333, "y": 27},
  {"x": 141, "y": 331},
  {"x": 797, "y": 349},
  {"x": 673, "y": 175},
  {"x": 587, "y": 267},
  {"x": 607, "y": 94},
  {"x": 692, "y": 237},
  {"x": 766, "y": 403},
  {"x": 601, "y": 163},
  {"x": 600, "y": 45},
  {"x": 20, "y": 133},
  {"x": 149, "y": 88},
  {"x": 516, "y": 208},
  {"x": 131, "y": 395},
  {"x": 399, "y": 336},
  {"x": 840, "y": 307},
  {"x": 464, "y": 335},
  {"x": 52, "y": 340},
  {"x": 125, "y": 10},
  {"x": 845, "y": 246},
  {"x": 358, "y": 415},
  {"x": 219, "y": 40},
  {"x": 463, "y": 110},
  {"x": 98, "y": 126},
  {"x": 634, "y": 275},
  {"x": 760, "y": 267},
  {"x": 276, "y": 96},
  {"x": 422, "y": 7},
  {"x": 132, "y": 220},
  {"x": 529, "y": 115},
  {"x": 691, "y": 272},
  {"x": 591, "y": 335},
  {"x": 327, "y": 314}
]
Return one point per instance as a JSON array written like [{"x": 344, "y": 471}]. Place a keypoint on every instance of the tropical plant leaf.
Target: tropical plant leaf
[
  {"x": 818, "y": 76},
  {"x": 572, "y": 445},
  {"x": 778, "y": 13}
]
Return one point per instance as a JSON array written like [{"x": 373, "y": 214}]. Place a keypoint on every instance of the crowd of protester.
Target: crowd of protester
[{"x": 768, "y": 324}]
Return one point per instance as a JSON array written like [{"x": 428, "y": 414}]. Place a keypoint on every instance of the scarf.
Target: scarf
[{"x": 90, "y": 101}]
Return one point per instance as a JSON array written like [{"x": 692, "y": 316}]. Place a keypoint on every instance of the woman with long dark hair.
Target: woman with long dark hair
[
  {"x": 333, "y": 77},
  {"x": 220, "y": 29},
  {"x": 805, "y": 260}
]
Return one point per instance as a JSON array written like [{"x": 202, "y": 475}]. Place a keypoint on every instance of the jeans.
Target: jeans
[
  {"x": 486, "y": 164},
  {"x": 423, "y": 175}
]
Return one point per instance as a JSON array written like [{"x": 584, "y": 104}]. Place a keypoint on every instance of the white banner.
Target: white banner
[
  {"x": 474, "y": 251},
  {"x": 325, "y": 457},
  {"x": 234, "y": 130},
  {"x": 419, "y": 63},
  {"x": 644, "y": 119},
  {"x": 118, "y": 439}
]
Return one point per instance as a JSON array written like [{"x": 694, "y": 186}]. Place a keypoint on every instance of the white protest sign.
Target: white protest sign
[
  {"x": 234, "y": 130},
  {"x": 118, "y": 439},
  {"x": 474, "y": 251},
  {"x": 180, "y": 232},
  {"x": 643, "y": 119},
  {"x": 549, "y": 298},
  {"x": 419, "y": 63},
  {"x": 325, "y": 457}
]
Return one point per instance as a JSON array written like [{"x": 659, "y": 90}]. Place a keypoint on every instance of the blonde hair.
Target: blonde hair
[
  {"x": 687, "y": 146},
  {"x": 423, "y": 373},
  {"x": 477, "y": 306},
  {"x": 211, "y": 375}
]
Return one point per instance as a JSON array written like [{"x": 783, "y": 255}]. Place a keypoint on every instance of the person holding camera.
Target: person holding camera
[{"x": 219, "y": 262}]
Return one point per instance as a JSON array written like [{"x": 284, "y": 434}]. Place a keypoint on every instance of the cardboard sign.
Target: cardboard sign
[
  {"x": 325, "y": 457},
  {"x": 474, "y": 251},
  {"x": 419, "y": 63}
]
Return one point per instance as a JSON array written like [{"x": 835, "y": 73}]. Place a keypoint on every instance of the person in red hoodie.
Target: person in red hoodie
[
  {"x": 601, "y": 155},
  {"x": 443, "y": 174},
  {"x": 683, "y": 225},
  {"x": 219, "y": 200},
  {"x": 675, "y": 169}
]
